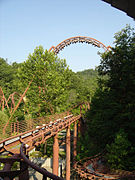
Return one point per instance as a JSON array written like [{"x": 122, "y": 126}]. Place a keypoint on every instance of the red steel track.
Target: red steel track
[
  {"x": 20, "y": 145},
  {"x": 84, "y": 172},
  {"x": 78, "y": 39},
  {"x": 32, "y": 138},
  {"x": 36, "y": 136}
]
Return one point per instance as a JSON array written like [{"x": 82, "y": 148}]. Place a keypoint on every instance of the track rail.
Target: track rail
[
  {"x": 28, "y": 140},
  {"x": 54, "y": 128},
  {"x": 78, "y": 39},
  {"x": 36, "y": 136},
  {"x": 82, "y": 169}
]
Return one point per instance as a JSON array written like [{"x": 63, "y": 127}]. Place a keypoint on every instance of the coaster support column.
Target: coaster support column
[
  {"x": 55, "y": 155},
  {"x": 68, "y": 153},
  {"x": 75, "y": 141}
]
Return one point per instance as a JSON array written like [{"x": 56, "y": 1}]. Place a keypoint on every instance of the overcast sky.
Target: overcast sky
[{"x": 25, "y": 24}]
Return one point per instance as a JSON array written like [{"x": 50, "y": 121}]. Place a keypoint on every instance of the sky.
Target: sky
[{"x": 26, "y": 24}]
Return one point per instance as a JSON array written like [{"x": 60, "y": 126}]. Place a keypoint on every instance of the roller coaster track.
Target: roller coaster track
[
  {"x": 85, "y": 172},
  {"x": 20, "y": 145},
  {"x": 78, "y": 39},
  {"x": 36, "y": 136},
  {"x": 28, "y": 140},
  {"x": 86, "y": 168}
]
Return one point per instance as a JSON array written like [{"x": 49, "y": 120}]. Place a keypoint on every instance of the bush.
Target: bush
[
  {"x": 36, "y": 154},
  {"x": 118, "y": 152},
  {"x": 3, "y": 120}
]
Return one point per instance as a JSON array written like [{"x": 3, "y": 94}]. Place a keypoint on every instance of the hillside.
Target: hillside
[
  {"x": 89, "y": 78},
  {"x": 88, "y": 74}
]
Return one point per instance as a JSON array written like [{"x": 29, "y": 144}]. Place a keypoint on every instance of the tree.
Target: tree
[
  {"x": 48, "y": 91},
  {"x": 3, "y": 121},
  {"x": 119, "y": 151},
  {"x": 113, "y": 105},
  {"x": 78, "y": 91},
  {"x": 6, "y": 77},
  {"x": 89, "y": 78}
]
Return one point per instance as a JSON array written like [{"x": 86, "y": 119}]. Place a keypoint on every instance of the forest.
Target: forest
[
  {"x": 110, "y": 122},
  {"x": 53, "y": 86},
  {"x": 111, "y": 119}
]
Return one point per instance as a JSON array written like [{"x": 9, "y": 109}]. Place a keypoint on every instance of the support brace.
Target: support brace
[
  {"x": 68, "y": 153},
  {"x": 55, "y": 155}
]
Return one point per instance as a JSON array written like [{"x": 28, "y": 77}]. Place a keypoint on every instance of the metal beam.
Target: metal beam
[
  {"x": 68, "y": 153},
  {"x": 55, "y": 155}
]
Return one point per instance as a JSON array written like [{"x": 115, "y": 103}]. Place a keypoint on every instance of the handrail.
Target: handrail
[
  {"x": 19, "y": 138},
  {"x": 33, "y": 165},
  {"x": 39, "y": 169},
  {"x": 37, "y": 136}
]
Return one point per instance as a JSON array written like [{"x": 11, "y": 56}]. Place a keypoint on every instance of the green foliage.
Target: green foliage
[
  {"x": 89, "y": 81},
  {"x": 83, "y": 148},
  {"x": 3, "y": 117},
  {"x": 46, "y": 149},
  {"x": 8, "y": 77},
  {"x": 54, "y": 87},
  {"x": 62, "y": 154},
  {"x": 15, "y": 165},
  {"x": 83, "y": 85},
  {"x": 3, "y": 120},
  {"x": 119, "y": 151},
  {"x": 113, "y": 104},
  {"x": 2, "y": 164},
  {"x": 35, "y": 154},
  {"x": 50, "y": 74},
  {"x": 88, "y": 73},
  {"x": 49, "y": 147}
]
